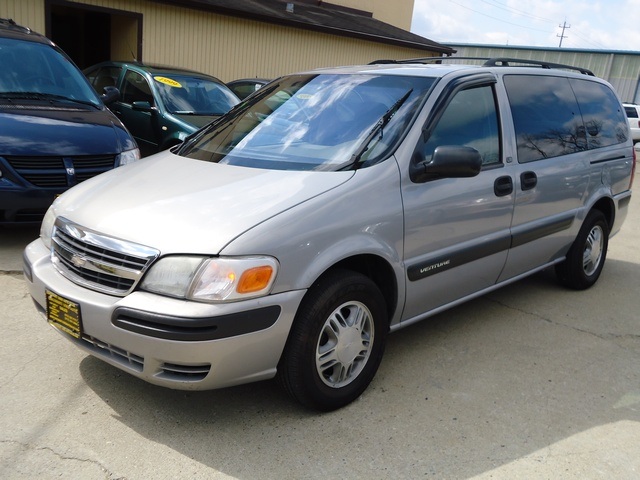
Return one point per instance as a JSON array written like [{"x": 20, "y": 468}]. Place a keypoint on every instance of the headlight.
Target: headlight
[
  {"x": 128, "y": 156},
  {"x": 211, "y": 279},
  {"x": 46, "y": 228}
]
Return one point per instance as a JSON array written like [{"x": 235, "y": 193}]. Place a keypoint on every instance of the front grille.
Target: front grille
[
  {"x": 97, "y": 261},
  {"x": 120, "y": 355},
  {"x": 60, "y": 172}
]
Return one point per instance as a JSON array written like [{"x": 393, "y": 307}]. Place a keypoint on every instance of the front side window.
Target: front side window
[
  {"x": 546, "y": 117},
  {"x": 314, "y": 122},
  {"x": 136, "y": 89},
  {"x": 470, "y": 119}
]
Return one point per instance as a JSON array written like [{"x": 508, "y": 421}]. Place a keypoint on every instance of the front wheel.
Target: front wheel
[
  {"x": 586, "y": 257},
  {"x": 336, "y": 342}
]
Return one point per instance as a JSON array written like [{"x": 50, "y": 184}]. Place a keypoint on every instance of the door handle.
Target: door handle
[
  {"x": 503, "y": 186},
  {"x": 528, "y": 180}
]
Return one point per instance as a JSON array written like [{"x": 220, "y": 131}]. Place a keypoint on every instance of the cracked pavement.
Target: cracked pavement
[{"x": 531, "y": 381}]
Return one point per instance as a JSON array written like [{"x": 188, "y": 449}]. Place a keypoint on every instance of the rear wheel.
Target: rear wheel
[
  {"x": 336, "y": 342},
  {"x": 587, "y": 255}
]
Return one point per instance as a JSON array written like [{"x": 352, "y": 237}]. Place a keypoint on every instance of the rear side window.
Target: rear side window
[
  {"x": 603, "y": 117},
  {"x": 631, "y": 112},
  {"x": 546, "y": 117},
  {"x": 555, "y": 116}
]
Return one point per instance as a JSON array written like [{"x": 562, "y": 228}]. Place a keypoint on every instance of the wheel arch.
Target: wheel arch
[
  {"x": 607, "y": 207},
  {"x": 378, "y": 270}
]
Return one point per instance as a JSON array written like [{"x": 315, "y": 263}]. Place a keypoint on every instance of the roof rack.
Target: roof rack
[
  {"x": 489, "y": 62},
  {"x": 10, "y": 23}
]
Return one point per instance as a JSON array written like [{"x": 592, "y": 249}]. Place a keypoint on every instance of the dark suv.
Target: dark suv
[
  {"x": 55, "y": 131},
  {"x": 162, "y": 105}
]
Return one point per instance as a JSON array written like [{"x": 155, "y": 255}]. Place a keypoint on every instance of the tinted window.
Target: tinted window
[
  {"x": 603, "y": 118},
  {"x": 103, "y": 77},
  {"x": 136, "y": 89},
  {"x": 470, "y": 119},
  {"x": 546, "y": 117},
  {"x": 631, "y": 112}
]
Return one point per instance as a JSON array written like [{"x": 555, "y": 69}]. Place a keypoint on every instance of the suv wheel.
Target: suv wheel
[
  {"x": 586, "y": 256},
  {"x": 336, "y": 343}
]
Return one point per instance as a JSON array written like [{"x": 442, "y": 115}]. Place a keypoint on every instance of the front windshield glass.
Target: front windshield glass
[
  {"x": 35, "y": 70},
  {"x": 189, "y": 95},
  {"x": 314, "y": 122}
]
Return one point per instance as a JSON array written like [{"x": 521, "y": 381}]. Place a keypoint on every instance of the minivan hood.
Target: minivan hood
[
  {"x": 181, "y": 205},
  {"x": 53, "y": 131}
]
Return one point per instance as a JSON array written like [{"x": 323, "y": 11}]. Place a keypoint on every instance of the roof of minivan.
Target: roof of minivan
[
  {"x": 441, "y": 69},
  {"x": 10, "y": 29}
]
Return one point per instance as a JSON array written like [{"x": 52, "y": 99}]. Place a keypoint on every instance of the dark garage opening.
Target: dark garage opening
[{"x": 90, "y": 35}]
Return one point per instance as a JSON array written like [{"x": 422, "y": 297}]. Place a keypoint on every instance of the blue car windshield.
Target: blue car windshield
[
  {"x": 193, "y": 95},
  {"x": 314, "y": 122},
  {"x": 34, "y": 70}
]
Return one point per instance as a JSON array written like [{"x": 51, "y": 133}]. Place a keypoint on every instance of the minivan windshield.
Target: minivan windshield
[
  {"x": 38, "y": 71},
  {"x": 314, "y": 122}
]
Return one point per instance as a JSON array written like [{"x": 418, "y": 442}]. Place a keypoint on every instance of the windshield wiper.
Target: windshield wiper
[
  {"x": 378, "y": 128},
  {"x": 43, "y": 97}
]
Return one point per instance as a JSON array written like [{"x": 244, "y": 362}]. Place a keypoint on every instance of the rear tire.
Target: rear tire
[
  {"x": 587, "y": 255},
  {"x": 336, "y": 342}
]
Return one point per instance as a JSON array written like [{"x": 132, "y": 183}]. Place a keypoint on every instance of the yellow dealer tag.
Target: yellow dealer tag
[
  {"x": 304, "y": 96},
  {"x": 167, "y": 81}
]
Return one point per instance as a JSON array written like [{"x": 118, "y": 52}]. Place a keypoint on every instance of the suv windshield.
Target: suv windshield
[
  {"x": 194, "y": 95},
  {"x": 34, "y": 70},
  {"x": 314, "y": 122}
]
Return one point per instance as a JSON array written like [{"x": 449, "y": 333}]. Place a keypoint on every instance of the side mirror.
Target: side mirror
[
  {"x": 110, "y": 95},
  {"x": 142, "y": 106},
  {"x": 447, "y": 161}
]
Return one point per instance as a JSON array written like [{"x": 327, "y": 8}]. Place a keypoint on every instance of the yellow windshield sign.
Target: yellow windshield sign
[{"x": 167, "y": 81}]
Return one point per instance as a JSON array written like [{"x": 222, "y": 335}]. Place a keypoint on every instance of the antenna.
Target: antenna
[{"x": 564, "y": 26}]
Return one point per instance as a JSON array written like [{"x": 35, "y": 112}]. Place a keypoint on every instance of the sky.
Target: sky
[{"x": 593, "y": 25}]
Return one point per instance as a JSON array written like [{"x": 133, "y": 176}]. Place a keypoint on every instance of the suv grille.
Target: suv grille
[
  {"x": 99, "y": 262},
  {"x": 56, "y": 172}
]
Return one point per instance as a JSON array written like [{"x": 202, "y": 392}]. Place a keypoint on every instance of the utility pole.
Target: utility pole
[{"x": 564, "y": 26}]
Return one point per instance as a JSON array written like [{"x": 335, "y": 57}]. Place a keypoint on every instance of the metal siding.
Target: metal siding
[
  {"x": 29, "y": 13},
  {"x": 228, "y": 47},
  {"x": 621, "y": 69}
]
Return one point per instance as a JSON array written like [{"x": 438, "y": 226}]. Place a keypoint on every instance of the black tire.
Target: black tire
[
  {"x": 587, "y": 255},
  {"x": 336, "y": 342}
]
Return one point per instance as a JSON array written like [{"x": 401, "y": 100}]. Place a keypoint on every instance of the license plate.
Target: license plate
[{"x": 64, "y": 314}]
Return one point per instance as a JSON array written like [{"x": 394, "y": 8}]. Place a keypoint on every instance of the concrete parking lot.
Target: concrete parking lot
[{"x": 533, "y": 381}]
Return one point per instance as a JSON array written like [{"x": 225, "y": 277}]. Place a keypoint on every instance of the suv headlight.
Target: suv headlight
[
  {"x": 205, "y": 279},
  {"x": 128, "y": 156}
]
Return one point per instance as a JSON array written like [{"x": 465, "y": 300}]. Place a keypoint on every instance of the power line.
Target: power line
[{"x": 498, "y": 19}]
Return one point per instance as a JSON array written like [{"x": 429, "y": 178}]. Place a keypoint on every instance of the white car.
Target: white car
[{"x": 633, "y": 115}]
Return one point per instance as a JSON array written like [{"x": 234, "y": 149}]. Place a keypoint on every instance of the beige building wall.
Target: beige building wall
[
  {"x": 25, "y": 12},
  {"x": 223, "y": 46},
  {"x": 394, "y": 12}
]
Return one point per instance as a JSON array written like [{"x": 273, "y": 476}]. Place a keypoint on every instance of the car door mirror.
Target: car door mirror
[
  {"x": 447, "y": 161},
  {"x": 142, "y": 106},
  {"x": 110, "y": 95}
]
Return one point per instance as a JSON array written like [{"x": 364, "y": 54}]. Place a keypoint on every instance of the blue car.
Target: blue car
[{"x": 55, "y": 131}]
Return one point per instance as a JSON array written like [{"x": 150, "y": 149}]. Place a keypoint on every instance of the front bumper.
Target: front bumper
[{"x": 170, "y": 342}]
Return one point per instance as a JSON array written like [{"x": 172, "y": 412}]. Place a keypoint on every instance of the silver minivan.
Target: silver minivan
[{"x": 290, "y": 236}]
